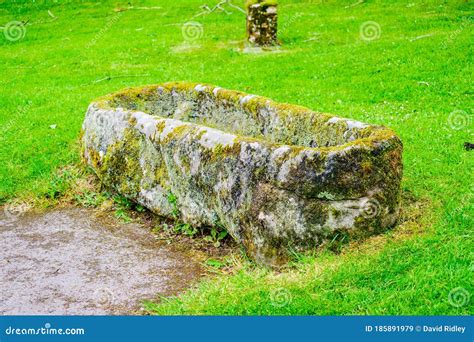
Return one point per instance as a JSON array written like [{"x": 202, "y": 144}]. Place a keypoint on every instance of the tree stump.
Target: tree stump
[{"x": 262, "y": 22}]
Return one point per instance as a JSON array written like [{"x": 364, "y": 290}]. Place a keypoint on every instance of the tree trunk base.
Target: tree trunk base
[{"x": 262, "y": 24}]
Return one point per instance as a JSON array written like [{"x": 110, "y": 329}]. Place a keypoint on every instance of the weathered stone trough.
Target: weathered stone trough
[{"x": 278, "y": 177}]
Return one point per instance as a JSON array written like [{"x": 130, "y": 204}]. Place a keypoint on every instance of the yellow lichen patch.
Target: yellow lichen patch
[
  {"x": 366, "y": 166},
  {"x": 200, "y": 133},
  {"x": 160, "y": 126},
  {"x": 132, "y": 121},
  {"x": 178, "y": 133},
  {"x": 219, "y": 151}
]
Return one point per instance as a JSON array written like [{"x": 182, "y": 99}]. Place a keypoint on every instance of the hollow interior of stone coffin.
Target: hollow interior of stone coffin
[{"x": 245, "y": 115}]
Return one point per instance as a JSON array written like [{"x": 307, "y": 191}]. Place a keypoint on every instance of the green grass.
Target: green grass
[{"x": 410, "y": 79}]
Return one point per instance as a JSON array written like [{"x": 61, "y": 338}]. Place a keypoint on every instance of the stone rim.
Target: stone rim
[{"x": 379, "y": 134}]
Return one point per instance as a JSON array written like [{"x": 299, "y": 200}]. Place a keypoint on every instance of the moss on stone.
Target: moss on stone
[
  {"x": 120, "y": 167},
  {"x": 219, "y": 151},
  {"x": 287, "y": 176},
  {"x": 132, "y": 121}
]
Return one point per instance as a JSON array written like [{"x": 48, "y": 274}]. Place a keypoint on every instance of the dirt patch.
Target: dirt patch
[{"x": 72, "y": 262}]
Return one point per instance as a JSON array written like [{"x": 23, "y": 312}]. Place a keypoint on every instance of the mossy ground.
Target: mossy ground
[{"x": 412, "y": 78}]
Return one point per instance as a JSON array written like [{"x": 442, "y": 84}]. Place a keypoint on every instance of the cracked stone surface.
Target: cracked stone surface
[{"x": 69, "y": 262}]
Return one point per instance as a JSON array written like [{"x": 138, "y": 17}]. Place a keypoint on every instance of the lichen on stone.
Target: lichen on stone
[{"x": 276, "y": 176}]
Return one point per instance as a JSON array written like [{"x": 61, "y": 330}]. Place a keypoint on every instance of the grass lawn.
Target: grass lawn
[{"x": 415, "y": 77}]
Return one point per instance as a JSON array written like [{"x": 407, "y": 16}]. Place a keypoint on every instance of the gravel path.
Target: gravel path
[{"x": 69, "y": 262}]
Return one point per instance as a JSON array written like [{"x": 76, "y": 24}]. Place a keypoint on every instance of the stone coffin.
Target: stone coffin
[{"x": 278, "y": 177}]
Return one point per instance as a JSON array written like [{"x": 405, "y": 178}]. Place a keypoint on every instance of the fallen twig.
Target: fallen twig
[
  {"x": 421, "y": 37},
  {"x": 108, "y": 78},
  {"x": 123, "y": 9},
  {"x": 315, "y": 36},
  {"x": 207, "y": 10},
  {"x": 355, "y": 4}
]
